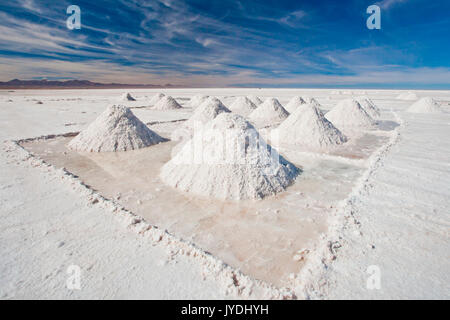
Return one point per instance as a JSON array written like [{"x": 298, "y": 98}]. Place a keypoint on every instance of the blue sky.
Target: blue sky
[{"x": 229, "y": 43}]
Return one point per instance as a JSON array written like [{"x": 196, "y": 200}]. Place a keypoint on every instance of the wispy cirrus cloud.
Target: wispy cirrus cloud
[
  {"x": 386, "y": 4},
  {"x": 219, "y": 43},
  {"x": 30, "y": 5}
]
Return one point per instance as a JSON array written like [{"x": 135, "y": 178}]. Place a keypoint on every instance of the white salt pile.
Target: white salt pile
[
  {"x": 407, "y": 96},
  {"x": 167, "y": 103},
  {"x": 308, "y": 127},
  {"x": 425, "y": 105},
  {"x": 369, "y": 106},
  {"x": 197, "y": 100},
  {"x": 243, "y": 106},
  {"x": 349, "y": 115},
  {"x": 206, "y": 112},
  {"x": 256, "y": 100},
  {"x": 116, "y": 129},
  {"x": 127, "y": 97},
  {"x": 228, "y": 160},
  {"x": 294, "y": 103},
  {"x": 154, "y": 100},
  {"x": 270, "y": 112},
  {"x": 311, "y": 100}
]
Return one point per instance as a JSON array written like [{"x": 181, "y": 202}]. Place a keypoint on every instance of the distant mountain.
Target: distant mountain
[{"x": 71, "y": 84}]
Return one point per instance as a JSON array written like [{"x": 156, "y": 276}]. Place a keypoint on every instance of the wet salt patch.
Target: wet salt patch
[{"x": 259, "y": 237}]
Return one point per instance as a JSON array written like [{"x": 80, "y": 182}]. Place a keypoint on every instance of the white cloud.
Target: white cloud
[
  {"x": 30, "y": 5},
  {"x": 386, "y": 4}
]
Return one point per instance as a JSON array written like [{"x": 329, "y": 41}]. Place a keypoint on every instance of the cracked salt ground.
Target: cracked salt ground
[{"x": 261, "y": 238}]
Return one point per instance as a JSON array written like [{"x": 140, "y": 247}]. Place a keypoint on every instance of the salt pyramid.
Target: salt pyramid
[
  {"x": 206, "y": 112},
  {"x": 407, "y": 96},
  {"x": 243, "y": 106},
  {"x": 167, "y": 103},
  {"x": 311, "y": 100},
  {"x": 349, "y": 115},
  {"x": 197, "y": 100},
  {"x": 294, "y": 103},
  {"x": 116, "y": 129},
  {"x": 268, "y": 113},
  {"x": 127, "y": 97},
  {"x": 229, "y": 160},
  {"x": 256, "y": 100},
  {"x": 154, "y": 100},
  {"x": 308, "y": 127},
  {"x": 369, "y": 106},
  {"x": 425, "y": 105}
]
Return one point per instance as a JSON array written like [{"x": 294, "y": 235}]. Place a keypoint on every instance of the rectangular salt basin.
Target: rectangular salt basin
[{"x": 258, "y": 237}]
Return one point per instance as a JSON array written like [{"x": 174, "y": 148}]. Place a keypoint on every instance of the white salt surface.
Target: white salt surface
[
  {"x": 397, "y": 219},
  {"x": 407, "y": 96}
]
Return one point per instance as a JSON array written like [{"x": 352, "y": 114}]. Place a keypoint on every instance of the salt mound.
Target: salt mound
[
  {"x": 116, "y": 129},
  {"x": 407, "y": 96},
  {"x": 294, "y": 103},
  {"x": 348, "y": 114},
  {"x": 197, "y": 100},
  {"x": 308, "y": 127},
  {"x": 154, "y": 100},
  {"x": 312, "y": 101},
  {"x": 268, "y": 113},
  {"x": 243, "y": 106},
  {"x": 369, "y": 106},
  {"x": 425, "y": 105},
  {"x": 167, "y": 103},
  {"x": 256, "y": 100},
  {"x": 229, "y": 160},
  {"x": 206, "y": 112},
  {"x": 127, "y": 97}
]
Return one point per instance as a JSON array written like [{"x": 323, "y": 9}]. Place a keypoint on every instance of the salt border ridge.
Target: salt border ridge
[{"x": 309, "y": 283}]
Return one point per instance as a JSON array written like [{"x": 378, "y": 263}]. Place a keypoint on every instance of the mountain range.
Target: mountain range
[{"x": 72, "y": 84}]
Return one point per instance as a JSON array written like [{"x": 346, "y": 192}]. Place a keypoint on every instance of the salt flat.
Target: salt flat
[{"x": 402, "y": 213}]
